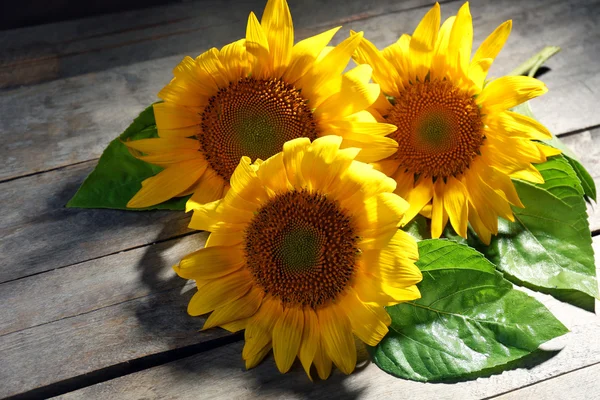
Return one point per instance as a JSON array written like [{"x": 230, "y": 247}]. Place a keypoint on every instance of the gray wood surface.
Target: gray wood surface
[
  {"x": 88, "y": 291},
  {"x": 220, "y": 373},
  {"x": 582, "y": 384},
  {"x": 72, "y": 119}
]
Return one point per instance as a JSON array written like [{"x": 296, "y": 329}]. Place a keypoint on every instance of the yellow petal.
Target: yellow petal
[
  {"x": 257, "y": 45},
  {"x": 287, "y": 334},
  {"x": 168, "y": 183},
  {"x": 159, "y": 145},
  {"x": 235, "y": 60},
  {"x": 370, "y": 323},
  {"x": 210, "y": 188},
  {"x": 218, "y": 292},
  {"x": 461, "y": 40},
  {"x": 455, "y": 203},
  {"x": 188, "y": 73},
  {"x": 259, "y": 330},
  {"x": 478, "y": 71},
  {"x": 437, "y": 212},
  {"x": 236, "y": 326},
  {"x": 509, "y": 91},
  {"x": 423, "y": 42},
  {"x": 492, "y": 45},
  {"x": 548, "y": 151},
  {"x": 515, "y": 124},
  {"x": 210, "y": 263},
  {"x": 338, "y": 342},
  {"x": 322, "y": 361},
  {"x": 167, "y": 159},
  {"x": 240, "y": 309},
  {"x": 210, "y": 64},
  {"x": 304, "y": 54},
  {"x": 310, "y": 340},
  {"x": 384, "y": 72},
  {"x": 293, "y": 152},
  {"x": 372, "y": 290},
  {"x": 257, "y": 357},
  {"x": 355, "y": 95},
  {"x": 383, "y": 211},
  {"x": 484, "y": 233},
  {"x": 439, "y": 62},
  {"x": 277, "y": 24},
  {"x": 417, "y": 198},
  {"x": 229, "y": 238},
  {"x": 172, "y": 116}
]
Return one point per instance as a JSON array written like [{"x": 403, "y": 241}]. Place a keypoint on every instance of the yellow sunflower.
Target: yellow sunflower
[
  {"x": 248, "y": 99},
  {"x": 459, "y": 144},
  {"x": 304, "y": 251}
]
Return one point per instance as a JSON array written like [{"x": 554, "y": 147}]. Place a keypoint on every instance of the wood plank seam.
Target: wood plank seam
[
  {"x": 542, "y": 381},
  {"x": 58, "y": 168},
  {"x": 141, "y": 246},
  {"x": 125, "y": 368}
]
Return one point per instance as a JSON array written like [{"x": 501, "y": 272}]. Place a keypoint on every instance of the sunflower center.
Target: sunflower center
[
  {"x": 254, "y": 118},
  {"x": 301, "y": 248},
  {"x": 440, "y": 129}
]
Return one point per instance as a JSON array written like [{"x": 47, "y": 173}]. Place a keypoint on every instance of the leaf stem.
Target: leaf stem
[{"x": 531, "y": 66}]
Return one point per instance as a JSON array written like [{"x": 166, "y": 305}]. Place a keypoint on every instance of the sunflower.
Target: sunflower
[
  {"x": 459, "y": 144},
  {"x": 248, "y": 99},
  {"x": 304, "y": 251}
]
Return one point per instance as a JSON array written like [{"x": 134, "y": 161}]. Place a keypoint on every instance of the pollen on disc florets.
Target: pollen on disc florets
[
  {"x": 301, "y": 248},
  {"x": 254, "y": 118},
  {"x": 440, "y": 129}
]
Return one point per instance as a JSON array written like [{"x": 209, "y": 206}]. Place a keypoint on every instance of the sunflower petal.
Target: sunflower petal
[
  {"x": 461, "y": 41},
  {"x": 218, "y": 292},
  {"x": 509, "y": 91},
  {"x": 422, "y": 42},
  {"x": 257, "y": 45},
  {"x": 287, "y": 334},
  {"x": 370, "y": 323},
  {"x": 277, "y": 24},
  {"x": 337, "y": 338},
  {"x": 304, "y": 54},
  {"x": 455, "y": 203},
  {"x": 168, "y": 183},
  {"x": 240, "y": 309},
  {"x": 210, "y": 263},
  {"x": 310, "y": 340},
  {"x": 259, "y": 330}
]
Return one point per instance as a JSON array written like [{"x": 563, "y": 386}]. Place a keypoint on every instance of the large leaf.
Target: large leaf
[
  {"x": 549, "y": 246},
  {"x": 119, "y": 175},
  {"x": 469, "y": 322}
]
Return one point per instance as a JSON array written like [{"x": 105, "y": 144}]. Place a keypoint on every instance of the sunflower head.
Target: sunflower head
[
  {"x": 304, "y": 252},
  {"x": 250, "y": 97},
  {"x": 459, "y": 144}
]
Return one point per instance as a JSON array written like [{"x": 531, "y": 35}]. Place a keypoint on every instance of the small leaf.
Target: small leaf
[
  {"x": 470, "y": 321},
  {"x": 549, "y": 246},
  {"x": 119, "y": 175}
]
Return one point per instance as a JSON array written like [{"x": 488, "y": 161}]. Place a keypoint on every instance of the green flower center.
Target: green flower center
[
  {"x": 254, "y": 118},
  {"x": 440, "y": 129},
  {"x": 301, "y": 248}
]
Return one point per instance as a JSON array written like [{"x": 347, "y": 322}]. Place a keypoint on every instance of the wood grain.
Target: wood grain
[
  {"x": 37, "y": 232},
  {"x": 582, "y": 384},
  {"x": 220, "y": 373},
  {"x": 71, "y": 120}
]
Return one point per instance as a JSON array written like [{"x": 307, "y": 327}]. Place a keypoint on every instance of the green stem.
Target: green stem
[{"x": 531, "y": 66}]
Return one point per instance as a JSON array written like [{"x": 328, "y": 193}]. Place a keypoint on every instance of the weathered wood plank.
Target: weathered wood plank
[
  {"x": 587, "y": 147},
  {"x": 95, "y": 44},
  {"x": 92, "y": 285},
  {"x": 582, "y": 384},
  {"x": 72, "y": 120},
  {"x": 37, "y": 232},
  {"x": 220, "y": 373}
]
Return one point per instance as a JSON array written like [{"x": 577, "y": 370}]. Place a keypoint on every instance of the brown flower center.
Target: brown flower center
[
  {"x": 254, "y": 118},
  {"x": 301, "y": 248},
  {"x": 440, "y": 129}
]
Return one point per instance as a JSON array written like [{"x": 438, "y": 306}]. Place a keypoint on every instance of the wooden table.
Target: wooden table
[{"x": 90, "y": 305}]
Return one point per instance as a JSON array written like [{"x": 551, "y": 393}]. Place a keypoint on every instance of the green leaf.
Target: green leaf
[
  {"x": 470, "y": 321},
  {"x": 549, "y": 246},
  {"x": 119, "y": 175}
]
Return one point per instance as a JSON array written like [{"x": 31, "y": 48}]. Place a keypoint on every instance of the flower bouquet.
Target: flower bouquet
[{"x": 395, "y": 202}]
